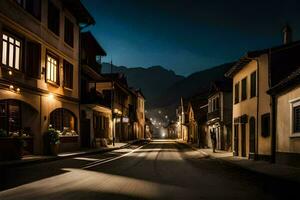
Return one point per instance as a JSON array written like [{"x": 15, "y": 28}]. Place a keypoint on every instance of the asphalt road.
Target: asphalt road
[{"x": 159, "y": 170}]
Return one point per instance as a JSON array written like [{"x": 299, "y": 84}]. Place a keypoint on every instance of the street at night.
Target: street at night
[{"x": 162, "y": 169}]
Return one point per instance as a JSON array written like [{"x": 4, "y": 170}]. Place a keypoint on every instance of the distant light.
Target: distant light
[
  {"x": 159, "y": 112},
  {"x": 10, "y": 72},
  {"x": 166, "y": 116},
  {"x": 18, "y": 90},
  {"x": 11, "y": 87}
]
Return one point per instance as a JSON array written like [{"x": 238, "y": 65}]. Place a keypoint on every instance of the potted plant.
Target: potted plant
[{"x": 52, "y": 141}]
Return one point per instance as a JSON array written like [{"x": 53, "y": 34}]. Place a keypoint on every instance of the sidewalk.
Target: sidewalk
[
  {"x": 275, "y": 170},
  {"x": 32, "y": 159}
]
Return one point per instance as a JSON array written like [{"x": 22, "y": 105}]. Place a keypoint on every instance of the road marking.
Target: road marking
[{"x": 111, "y": 159}]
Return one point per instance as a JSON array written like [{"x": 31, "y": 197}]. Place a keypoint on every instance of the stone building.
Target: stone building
[{"x": 39, "y": 69}]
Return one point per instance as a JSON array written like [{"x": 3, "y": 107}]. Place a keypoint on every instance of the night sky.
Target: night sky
[{"x": 188, "y": 35}]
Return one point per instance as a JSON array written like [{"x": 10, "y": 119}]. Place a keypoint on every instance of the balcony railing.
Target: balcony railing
[{"x": 214, "y": 114}]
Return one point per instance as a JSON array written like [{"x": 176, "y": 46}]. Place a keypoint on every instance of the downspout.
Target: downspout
[{"x": 273, "y": 137}]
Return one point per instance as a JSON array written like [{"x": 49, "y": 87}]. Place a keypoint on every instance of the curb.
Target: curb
[
  {"x": 20, "y": 163},
  {"x": 232, "y": 163}
]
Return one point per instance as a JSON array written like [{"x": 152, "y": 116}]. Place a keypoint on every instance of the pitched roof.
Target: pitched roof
[
  {"x": 90, "y": 43},
  {"x": 79, "y": 11},
  {"x": 283, "y": 60},
  {"x": 224, "y": 85},
  {"x": 287, "y": 83}
]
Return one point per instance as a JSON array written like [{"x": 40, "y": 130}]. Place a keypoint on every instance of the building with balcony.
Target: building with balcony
[
  {"x": 96, "y": 114},
  {"x": 219, "y": 115},
  {"x": 39, "y": 69}
]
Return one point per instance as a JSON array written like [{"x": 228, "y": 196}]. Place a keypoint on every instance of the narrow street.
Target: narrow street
[{"x": 162, "y": 169}]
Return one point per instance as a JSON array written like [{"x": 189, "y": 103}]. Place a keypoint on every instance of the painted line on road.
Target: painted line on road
[{"x": 112, "y": 159}]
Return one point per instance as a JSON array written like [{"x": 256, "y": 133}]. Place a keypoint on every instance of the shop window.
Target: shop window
[
  {"x": 68, "y": 75},
  {"x": 69, "y": 32},
  {"x": 63, "y": 120},
  {"x": 53, "y": 18},
  {"x": 33, "y": 59},
  {"x": 52, "y": 69},
  {"x": 265, "y": 125},
  {"x": 11, "y": 51},
  {"x": 10, "y": 118}
]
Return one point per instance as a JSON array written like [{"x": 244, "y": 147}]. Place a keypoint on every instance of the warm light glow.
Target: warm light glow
[
  {"x": 10, "y": 72},
  {"x": 50, "y": 96},
  {"x": 11, "y": 87},
  {"x": 18, "y": 90}
]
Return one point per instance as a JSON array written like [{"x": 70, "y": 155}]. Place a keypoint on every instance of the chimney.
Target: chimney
[{"x": 287, "y": 34}]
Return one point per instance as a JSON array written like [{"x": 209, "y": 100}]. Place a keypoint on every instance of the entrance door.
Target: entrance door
[
  {"x": 85, "y": 133},
  {"x": 236, "y": 139},
  {"x": 252, "y": 137},
  {"x": 243, "y": 140}
]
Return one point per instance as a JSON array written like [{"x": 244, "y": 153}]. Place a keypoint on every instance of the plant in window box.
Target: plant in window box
[{"x": 52, "y": 141}]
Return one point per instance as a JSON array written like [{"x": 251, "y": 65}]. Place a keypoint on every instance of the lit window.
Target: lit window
[
  {"x": 11, "y": 51},
  {"x": 52, "y": 69}
]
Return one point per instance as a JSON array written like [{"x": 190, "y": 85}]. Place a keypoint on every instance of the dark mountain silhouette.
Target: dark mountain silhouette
[
  {"x": 163, "y": 88},
  {"x": 153, "y": 80},
  {"x": 196, "y": 83}
]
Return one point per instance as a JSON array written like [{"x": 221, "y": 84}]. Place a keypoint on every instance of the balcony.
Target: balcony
[
  {"x": 92, "y": 63},
  {"x": 214, "y": 114}
]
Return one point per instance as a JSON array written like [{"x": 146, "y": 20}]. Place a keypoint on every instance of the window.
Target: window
[
  {"x": 244, "y": 89},
  {"x": 217, "y": 103},
  {"x": 10, "y": 117},
  {"x": 31, "y": 6},
  {"x": 69, "y": 32},
  {"x": 63, "y": 119},
  {"x": 253, "y": 84},
  {"x": 33, "y": 59},
  {"x": 53, "y": 18},
  {"x": 68, "y": 75},
  {"x": 265, "y": 125},
  {"x": 11, "y": 51},
  {"x": 52, "y": 69},
  {"x": 236, "y": 93},
  {"x": 296, "y": 119}
]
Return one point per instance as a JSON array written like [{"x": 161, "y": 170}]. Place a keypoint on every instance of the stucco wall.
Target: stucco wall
[
  {"x": 286, "y": 143},
  {"x": 248, "y": 106}
]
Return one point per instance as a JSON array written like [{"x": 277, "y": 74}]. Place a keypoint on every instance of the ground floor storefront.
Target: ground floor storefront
[
  {"x": 96, "y": 126},
  {"x": 27, "y": 115}
]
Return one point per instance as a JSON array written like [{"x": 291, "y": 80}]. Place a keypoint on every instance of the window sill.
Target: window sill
[
  {"x": 68, "y": 89},
  {"x": 53, "y": 34},
  {"x": 295, "y": 135},
  {"x": 69, "y": 46},
  {"x": 52, "y": 83}
]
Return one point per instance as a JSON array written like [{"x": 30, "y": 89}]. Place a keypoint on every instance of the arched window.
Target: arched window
[
  {"x": 63, "y": 119},
  {"x": 10, "y": 117}
]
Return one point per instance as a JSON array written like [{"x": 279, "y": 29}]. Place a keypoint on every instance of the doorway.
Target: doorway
[
  {"x": 243, "y": 140},
  {"x": 252, "y": 137},
  {"x": 236, "y": 140}
]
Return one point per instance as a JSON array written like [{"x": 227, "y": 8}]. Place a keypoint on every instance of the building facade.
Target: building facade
[
  {"x": 39, "y": 69},
  {"x": 96, "y": 114},
  {"x": 219, "y": 116},
  {"x": 286, "y": 95}
]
